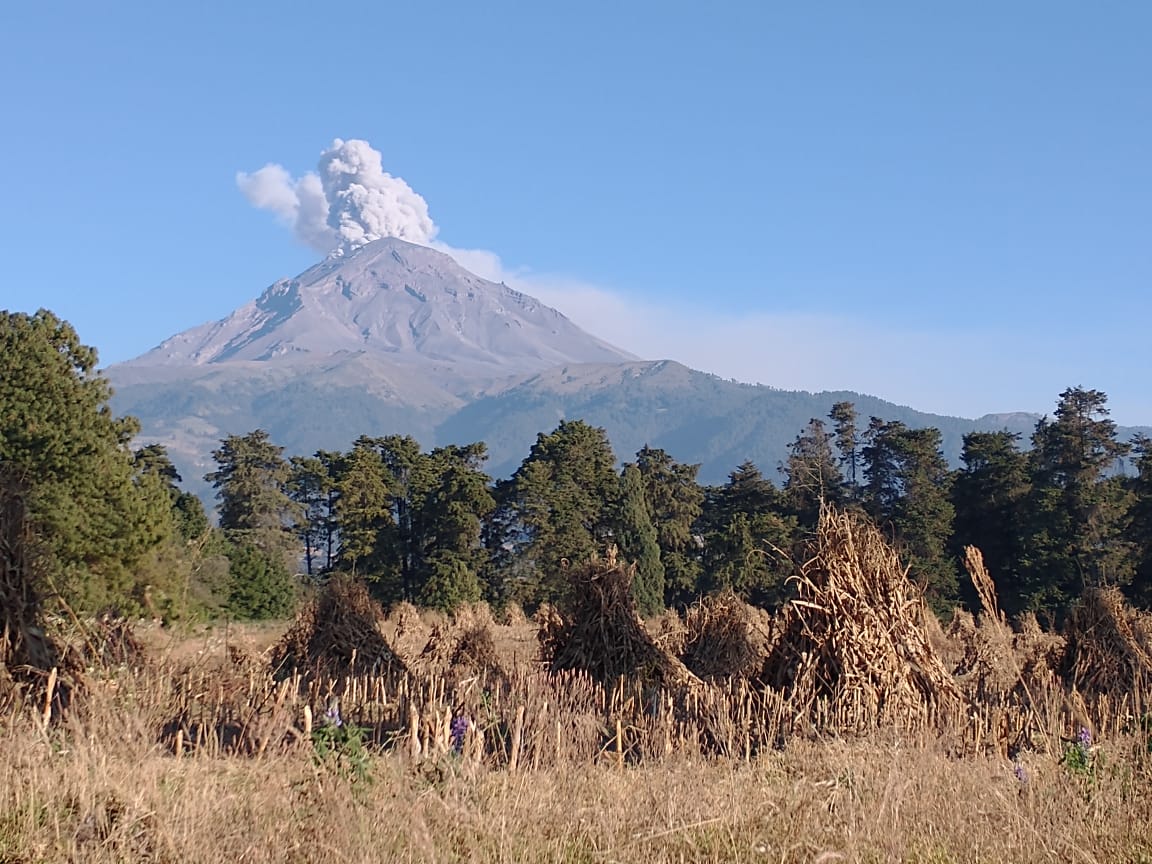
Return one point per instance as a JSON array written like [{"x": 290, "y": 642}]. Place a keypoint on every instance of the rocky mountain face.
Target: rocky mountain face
[
  {"x": 398, "y": 304},
  {"x": 398, "y": 338}
]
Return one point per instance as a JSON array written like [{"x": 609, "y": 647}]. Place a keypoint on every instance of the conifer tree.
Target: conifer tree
[
  {"x": 742, "y": 527},
  {"x": 635, "y": 536},
  {"x": 989, "y": 495},
  {"x": 1078, "y": 506},
  {"x": 907, "y": 486},
  {"x": 843, "y": 417},
  {"x": 675, "y": 501},
  {"x": 811, "y": 475},
  {"x": 95, "y": 515},
  {"x": 559, "y": 506}
]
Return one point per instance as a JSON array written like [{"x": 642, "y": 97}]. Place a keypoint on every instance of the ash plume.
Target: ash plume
[{"x": 350, "y": 200}]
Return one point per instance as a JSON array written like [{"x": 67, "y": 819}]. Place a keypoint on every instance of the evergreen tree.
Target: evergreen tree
[
  {"x": 1141, "y": 521},
  {"x": 96, "y": 516},
  {"x": 989, "y": 495},
  {"x": 743, "y": 526},
  {"x": 1078, "y": 508},
  {"x": 450, "y": 583},
  {"x": 408, "y": 476},
  {"x": 189, "y": 518},
  {"x": 636, "y": 537},
  {"x": 363, "y": 509},
  {"x": 311, "y": 486},
  {"x": 907, "y": 490},
  {"x": 451, "y": 511},
  {"x": 411, "y": 521},
  {"x": 251, "y": 484},
  {"x": 259, "y": 584},
  {"x": 843, "y": 417},
  {"x": 561, "y": 502},
  {"x": 811, "y": 475},
  {"x": 675, "y": 501}
]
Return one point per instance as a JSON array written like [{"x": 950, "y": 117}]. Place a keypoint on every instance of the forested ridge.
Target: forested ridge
[{"x": 1067, "y": 508}]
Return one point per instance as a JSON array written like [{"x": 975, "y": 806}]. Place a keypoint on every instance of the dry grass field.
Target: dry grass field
[{"x": 850, "y": 727}]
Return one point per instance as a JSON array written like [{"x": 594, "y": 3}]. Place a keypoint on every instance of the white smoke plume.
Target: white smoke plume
[{"x": 351, "y": 201}]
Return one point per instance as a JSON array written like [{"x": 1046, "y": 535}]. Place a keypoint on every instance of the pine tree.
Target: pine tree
[
  {"x": 559, "y": 506},
  {"x": 189, "y": 518},
  {"x": 363, "y": 509},
  {"x": 989, "y": 495},
  {"x": 635, "y": 536},
  {"x": 907, "y": 491},
  {"x": 843, "y": 417},
  {"x": 811, "y": 475},
  {"x": 96, "y": 516},
  {"x": 1078, "y": 507},
  {"x": 1141, "y": 521},
  {"x": 676, "y": 501},
  {"x": 251, "y": 484},
  {"x": 742, "y": 526},
  {"x": 310, "y": 486}
]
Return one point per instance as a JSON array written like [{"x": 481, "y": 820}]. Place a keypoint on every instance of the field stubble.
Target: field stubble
[{"x": 849, "y": 728}]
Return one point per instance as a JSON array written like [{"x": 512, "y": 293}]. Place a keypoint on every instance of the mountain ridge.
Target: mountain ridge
[
  {"x": 399, "y": 338},
  {"x": 413, "y": 305}
]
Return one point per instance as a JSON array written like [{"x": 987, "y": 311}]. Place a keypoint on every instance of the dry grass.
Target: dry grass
[
  {"x": 855, "y": 742},
  {"x": 79, "y": 796}
]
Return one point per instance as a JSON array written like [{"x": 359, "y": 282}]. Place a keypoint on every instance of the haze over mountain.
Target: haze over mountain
[{"x": 393, "y": 337}]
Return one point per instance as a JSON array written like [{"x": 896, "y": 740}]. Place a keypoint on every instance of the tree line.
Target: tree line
[{"x": 1067, "y": 509}]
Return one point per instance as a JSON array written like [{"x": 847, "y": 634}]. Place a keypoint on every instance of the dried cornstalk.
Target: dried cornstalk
[
  {"x": 600, "y": 631},
  {"x": 726, "y": 637},
  {"x": 853, "y": 649},
  {"x": 982, "y": 582},
  {"x": 1109, "y": 644},
  {"x": 336, "y": 634}
]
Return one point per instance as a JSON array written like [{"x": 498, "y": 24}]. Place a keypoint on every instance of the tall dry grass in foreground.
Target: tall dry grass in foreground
[
  {"x": 96, "y": 792},
  {"x": 836, "y": 731}
]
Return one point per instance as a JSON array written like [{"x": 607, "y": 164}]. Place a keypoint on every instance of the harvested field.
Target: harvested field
[{"x": 835, "y": 732}]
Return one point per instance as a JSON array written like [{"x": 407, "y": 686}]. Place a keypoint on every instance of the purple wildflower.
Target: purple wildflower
[
  {"x": 459, "y": 730},
  {"x": 1084, "y": 738},
  {"x": 1021, "y": 773},
  {"x": 332, "y": 717}
]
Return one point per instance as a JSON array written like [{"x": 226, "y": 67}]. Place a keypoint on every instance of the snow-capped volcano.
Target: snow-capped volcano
[{"x": 409, "y": 305}]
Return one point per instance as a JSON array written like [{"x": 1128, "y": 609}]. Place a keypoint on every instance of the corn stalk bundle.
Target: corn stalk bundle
[
  {"x": 669, "y": 632},
  {"x": 1039, "y": 652},
  {"x": 337, "y": 634},
  {"x": 110, "y": 642},
  {"x": 512, "y": 615},
  {"x": 989, "y": 669},
  {"x": 726, "y": 637},
  {"x": 853, "y": 637},
  {"x": 600, "y": 631},
  {"x": 1109, "y": 644},
  {"x": 982, "y": 582},
  {"x": 465, "y": 647}
]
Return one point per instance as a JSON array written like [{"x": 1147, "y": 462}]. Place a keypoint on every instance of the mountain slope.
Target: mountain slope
[
  {"x": 694, "y": 416},
  {"x": 398, "y": 338},
  {"x": 407, "y": 305},
  {"x": 392, "y": 337}
]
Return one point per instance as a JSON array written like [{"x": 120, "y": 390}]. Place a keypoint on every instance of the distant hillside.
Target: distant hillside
[{"x": 694, "y": 416}]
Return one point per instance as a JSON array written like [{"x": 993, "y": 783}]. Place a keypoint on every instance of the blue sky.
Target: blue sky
[{"x": 945, "y": 205}]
